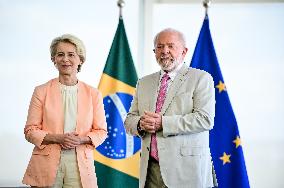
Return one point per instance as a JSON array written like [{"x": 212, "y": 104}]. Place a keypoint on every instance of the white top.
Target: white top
[{"x": 69, "y": 103}]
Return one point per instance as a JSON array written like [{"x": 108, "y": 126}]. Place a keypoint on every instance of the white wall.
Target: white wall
[{"x": 249, "y": 43}]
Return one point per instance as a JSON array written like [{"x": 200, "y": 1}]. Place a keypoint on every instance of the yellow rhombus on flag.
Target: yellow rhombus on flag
[{"x": 117, "y": 159}]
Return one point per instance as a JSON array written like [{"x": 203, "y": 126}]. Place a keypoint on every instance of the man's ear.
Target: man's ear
[{"x": 184, "y": 51}]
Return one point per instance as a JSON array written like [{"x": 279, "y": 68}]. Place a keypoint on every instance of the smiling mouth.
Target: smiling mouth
[{"x": 166, "y": 59}]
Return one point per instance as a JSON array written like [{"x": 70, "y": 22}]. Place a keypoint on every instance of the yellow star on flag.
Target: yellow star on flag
[
  {"x": 237, "y": 141},
  {"x": 221, "y": 86},
  {"x": 225, "y": 158}
]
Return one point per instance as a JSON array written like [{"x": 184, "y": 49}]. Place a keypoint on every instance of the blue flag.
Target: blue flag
[{"x": 225, "y": 142}]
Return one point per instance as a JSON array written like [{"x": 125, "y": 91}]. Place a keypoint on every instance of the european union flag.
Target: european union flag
[{"x": 225, "y": 142}]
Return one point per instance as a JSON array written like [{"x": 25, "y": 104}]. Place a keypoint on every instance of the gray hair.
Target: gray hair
[
  {"x": 80, "y": 47},
  {"x": 171, "y": 30}
]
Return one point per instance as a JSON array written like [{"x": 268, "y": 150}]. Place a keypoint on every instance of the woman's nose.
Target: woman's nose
[{"x": 65, "y": 58}]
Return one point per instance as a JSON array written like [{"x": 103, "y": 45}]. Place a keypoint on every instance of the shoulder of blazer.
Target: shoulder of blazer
[
  {"x": 40, "y": 91},
  {"x": 88, "y": 88},
  {"x": 198, "y": 72},
  {"x": 47, "y": 84},
  {"x": 149, "y": 77}
]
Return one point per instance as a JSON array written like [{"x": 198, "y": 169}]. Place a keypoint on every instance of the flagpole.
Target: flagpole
[
  {"x": 206, "y": 4},
  {"x": 120, "y": 4}
]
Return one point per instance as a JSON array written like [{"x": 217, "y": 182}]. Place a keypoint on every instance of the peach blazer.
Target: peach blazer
[{"x": 45, "y": 116}]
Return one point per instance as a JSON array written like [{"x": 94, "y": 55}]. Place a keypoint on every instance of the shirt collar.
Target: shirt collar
[{"x": 173, "y": 73}]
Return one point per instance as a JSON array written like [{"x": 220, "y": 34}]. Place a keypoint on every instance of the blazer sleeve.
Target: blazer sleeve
[
  {"x": 133, "y": 116},
  {"x": 98, "y": 132},
  {"x": 202, "y": 116},
  {"x": 33, "y": 128}
]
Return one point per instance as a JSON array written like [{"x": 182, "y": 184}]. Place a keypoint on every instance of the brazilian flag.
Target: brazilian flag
[{"x": 117, "y": 159}]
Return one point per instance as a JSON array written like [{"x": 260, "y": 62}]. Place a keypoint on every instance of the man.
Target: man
[{"x": 173, "y": 111}]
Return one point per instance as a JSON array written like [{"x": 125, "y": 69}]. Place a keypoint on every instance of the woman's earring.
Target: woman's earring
[{"x": 79, "y": 67}]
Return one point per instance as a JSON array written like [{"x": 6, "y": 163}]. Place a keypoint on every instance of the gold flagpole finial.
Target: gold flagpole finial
[
  {"x": 120, "y": 4},
  {"x": 206, "y": 4}
]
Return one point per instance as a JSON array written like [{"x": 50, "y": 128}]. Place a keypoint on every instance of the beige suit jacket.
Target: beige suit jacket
[
  {"x": 187, "y": 116},
  {"x": 46, "y": 116}
]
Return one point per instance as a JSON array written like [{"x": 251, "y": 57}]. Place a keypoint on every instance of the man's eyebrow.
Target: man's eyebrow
[{"x": 166, "y": 43}]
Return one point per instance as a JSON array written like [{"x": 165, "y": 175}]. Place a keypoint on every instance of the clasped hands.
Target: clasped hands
[
  {"x": 69, "y": 140},
  {"x": 151, "y": 122}
]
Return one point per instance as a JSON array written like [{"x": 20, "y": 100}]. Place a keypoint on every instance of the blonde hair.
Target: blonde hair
[{"x": 80, "y": 47}]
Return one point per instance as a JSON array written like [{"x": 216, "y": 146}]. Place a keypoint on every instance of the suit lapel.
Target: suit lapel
[
  {"x": 55, "y": 103},
  {"x": 83, "y": 104},
  {"x": 153, "y": 93},
  {"x": 174, "y": 87}
]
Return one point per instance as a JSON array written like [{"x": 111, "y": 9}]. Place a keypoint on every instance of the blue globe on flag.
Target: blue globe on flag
[{"x": 118, "y": 144}]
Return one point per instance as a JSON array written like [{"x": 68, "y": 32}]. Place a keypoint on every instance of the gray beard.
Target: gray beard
[{"x": 169, "y": 65}]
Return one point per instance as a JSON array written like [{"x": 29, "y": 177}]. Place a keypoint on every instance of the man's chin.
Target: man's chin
[{"x": 168, "y": 68}]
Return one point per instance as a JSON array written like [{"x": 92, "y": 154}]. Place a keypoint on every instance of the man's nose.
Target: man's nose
[{"x": 165, "y": 49}]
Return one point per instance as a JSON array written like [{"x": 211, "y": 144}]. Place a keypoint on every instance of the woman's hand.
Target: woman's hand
[
  {"x": 67, "y": 140},
  {"x": 70, "y": 140}
]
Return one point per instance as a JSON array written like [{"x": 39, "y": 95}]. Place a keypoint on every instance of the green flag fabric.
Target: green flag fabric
[{"x": 117, "y": 159}]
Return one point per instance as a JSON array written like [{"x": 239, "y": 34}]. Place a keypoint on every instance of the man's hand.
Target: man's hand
[{"x": 151, "y": 122}]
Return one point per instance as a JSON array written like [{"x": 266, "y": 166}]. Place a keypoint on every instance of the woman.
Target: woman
[{"x": 65, "y": 122}]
